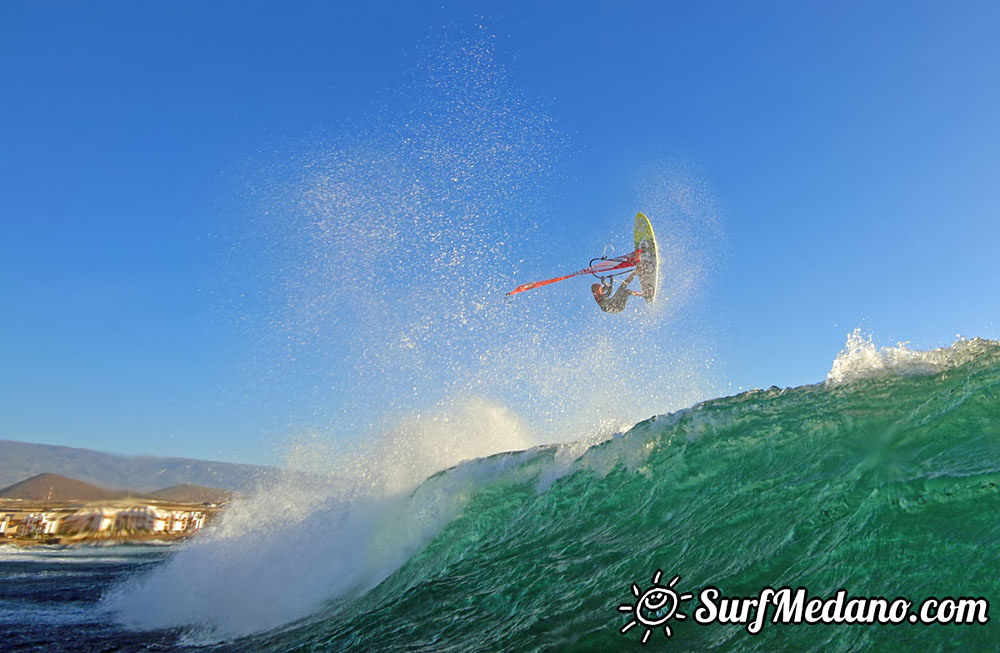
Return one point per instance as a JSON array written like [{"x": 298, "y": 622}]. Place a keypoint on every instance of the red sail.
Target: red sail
[{"x": 607, "y": 265}]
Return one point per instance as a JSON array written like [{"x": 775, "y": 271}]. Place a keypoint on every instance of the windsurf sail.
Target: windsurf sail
[{"x": 599, "y": 267}]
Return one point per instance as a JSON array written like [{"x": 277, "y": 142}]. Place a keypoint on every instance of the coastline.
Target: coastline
[{"x": 165, "y": 539}]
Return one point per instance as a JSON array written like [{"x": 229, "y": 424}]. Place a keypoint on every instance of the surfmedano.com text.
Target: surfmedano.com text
[{"x": 788, "y": 606}]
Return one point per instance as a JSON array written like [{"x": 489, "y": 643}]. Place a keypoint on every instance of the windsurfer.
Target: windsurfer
[{"x": 613, "y": 302}]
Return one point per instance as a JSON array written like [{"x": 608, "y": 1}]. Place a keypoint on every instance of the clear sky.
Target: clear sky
[{"x": 844, "y": 158}]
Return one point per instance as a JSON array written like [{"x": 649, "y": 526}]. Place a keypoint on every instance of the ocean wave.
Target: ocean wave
[{"x": 885, "y": 489}]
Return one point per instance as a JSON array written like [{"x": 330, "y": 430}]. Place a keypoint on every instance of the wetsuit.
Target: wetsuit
[{"x": 616, "y": 303}]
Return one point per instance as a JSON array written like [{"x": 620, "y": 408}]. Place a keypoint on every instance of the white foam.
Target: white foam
[
  {"x": 862, "y": 359},
  {"x": 309, "y": 537}
]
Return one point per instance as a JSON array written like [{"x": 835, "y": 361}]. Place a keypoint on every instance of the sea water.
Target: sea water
[{"x": 50, "y": 597}]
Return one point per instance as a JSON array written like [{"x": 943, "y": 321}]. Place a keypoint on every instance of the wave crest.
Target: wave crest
[{"x": 862, "y": 359}]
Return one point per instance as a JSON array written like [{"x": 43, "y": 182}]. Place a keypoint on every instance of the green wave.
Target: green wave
[{"x": 887, "y": 486}]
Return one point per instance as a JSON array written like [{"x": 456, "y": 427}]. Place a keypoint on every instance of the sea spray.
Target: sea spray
[
  {"x": 373, "y": 268},
  {"x": 333, "y": 523},
  {"x": 861, "y": 359}
]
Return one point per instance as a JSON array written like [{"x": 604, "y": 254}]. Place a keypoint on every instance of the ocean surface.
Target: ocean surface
[
  {"x": 884, "y": 481},
  {"x": 50, "y": 598}
]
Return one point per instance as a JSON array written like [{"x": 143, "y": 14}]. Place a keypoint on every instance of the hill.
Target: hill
[
  {"x": 53, "y": 487},
  {"x": 189, "y": 493},
  {"x": 21, "y": 460}
]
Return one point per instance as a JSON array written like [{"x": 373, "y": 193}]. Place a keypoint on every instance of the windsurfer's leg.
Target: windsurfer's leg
[{"x": 621, "y": 296}]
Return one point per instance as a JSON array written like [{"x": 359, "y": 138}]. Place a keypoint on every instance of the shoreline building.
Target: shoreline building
[
  {"x": 94, "y": 520},
  {"x": 103, "y": 522},
  {"x": 39, "y": 523}
]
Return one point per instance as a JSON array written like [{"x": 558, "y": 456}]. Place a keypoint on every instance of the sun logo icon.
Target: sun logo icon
[{"x": 655, "y": 607}]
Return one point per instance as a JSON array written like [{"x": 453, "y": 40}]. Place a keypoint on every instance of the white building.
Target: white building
[
  {"x": 110, "y": 521},
  {"x": 135, "y": 519},
  {"x": 95, "y": 520},
  {"x": 141, "y": 519},
  {"x": 39, "y": 523}
]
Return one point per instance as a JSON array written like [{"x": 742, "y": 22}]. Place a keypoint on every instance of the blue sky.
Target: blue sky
[{"x": 847, "y": 153}]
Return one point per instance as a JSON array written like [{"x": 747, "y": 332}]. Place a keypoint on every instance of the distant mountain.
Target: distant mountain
[
  {"x": 188, "y": 493},
  {"x": 22, "y": 460},
  {"x": 53, "y": 487}
]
